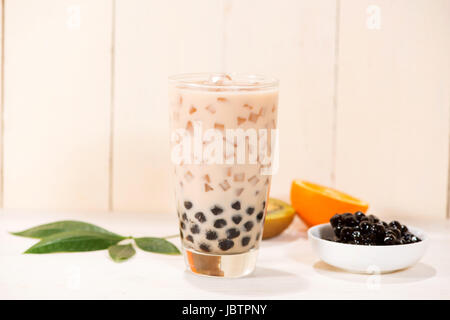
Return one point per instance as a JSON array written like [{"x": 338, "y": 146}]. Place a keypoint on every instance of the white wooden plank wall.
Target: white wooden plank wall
[
  {"x": 1, "y": 99},
  {"x": 364, "y": 100},
  {"x": 393, "y": 104},
  {"x": 154, "y": 39},
  {"x": 294, "y": 41},
  {"x": 56, "y": 103}
]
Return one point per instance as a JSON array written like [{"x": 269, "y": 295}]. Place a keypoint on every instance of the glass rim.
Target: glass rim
[{"x": 233, "y": 81}]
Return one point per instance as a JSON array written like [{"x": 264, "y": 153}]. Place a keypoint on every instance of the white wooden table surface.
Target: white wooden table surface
[{"x": 287, "y": 268}]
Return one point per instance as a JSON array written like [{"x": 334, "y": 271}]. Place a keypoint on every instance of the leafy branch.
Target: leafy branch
[{"x": 78, "y": 236}]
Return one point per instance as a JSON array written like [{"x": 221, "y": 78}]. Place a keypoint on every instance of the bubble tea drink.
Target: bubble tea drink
[{"x": 224, "y": 152}]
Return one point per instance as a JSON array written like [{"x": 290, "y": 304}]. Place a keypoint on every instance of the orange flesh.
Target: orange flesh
[{"x": 316, "y": 204}]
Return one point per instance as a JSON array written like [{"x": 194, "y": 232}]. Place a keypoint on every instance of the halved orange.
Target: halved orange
[
  {"x": 278, "y": 217},
  {"x": 316, "y": 204}
]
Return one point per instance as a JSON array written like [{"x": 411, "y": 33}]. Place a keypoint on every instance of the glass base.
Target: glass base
[{"x": 224, "y": 266}]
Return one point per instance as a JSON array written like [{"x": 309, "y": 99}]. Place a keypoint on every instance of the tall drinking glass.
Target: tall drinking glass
[{"x": 223, "y": 145}]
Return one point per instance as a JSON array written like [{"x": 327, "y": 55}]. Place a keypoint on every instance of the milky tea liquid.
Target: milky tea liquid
[{"x": 221, "y": 204}]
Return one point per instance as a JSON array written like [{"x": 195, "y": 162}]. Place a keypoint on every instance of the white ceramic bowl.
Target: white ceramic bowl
[{"x": 365, "y": 259}]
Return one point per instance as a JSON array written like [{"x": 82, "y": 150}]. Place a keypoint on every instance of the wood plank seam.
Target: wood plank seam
[
  {"x": 2, "y": 89},
  {"x": 335, "y": 94},
  {"x": 224, "y": 35},
  {"x": 448, "y": 176},
  {"x": 112, "y": 106}
]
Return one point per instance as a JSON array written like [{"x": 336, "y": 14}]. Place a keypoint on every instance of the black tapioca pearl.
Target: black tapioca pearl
[
  {"x": 250, "y": 210},
  {"x": 264, "y": 204},
  {"x": 189, "y": 238},
  {"x": 248, "y": 225},
  {"x": 184, "y": 217},
  {"x": 182, "y": 225},
  {"x": 225, "y": 244},
  {"x": 200, "y": 217},
  {"x": 260, "y": 216},
  {"x": 236, "y": 205},
  {"x": 245, "y": 241},
  {"x": 205, "y": 247},
  {"x": 220, "y": 223},
  {"x": 211, "y": 235},
  {"x": 216, "y": 210},
  {"x": 195, "y": 229},
  {"x": 181, "y": 234},
  {"x": 233, "y": 233},
  {"x": 236, "y": 218},
  {"x": 188, "y": 205}
]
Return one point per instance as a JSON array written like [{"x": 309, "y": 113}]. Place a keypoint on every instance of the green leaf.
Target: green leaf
[
  {"x": 156, "y": 245},
  {"x": 75, "y": 241},
  {"x": 49, "y": 229},
  {"x": 121, "y": 252}
]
